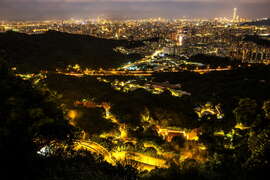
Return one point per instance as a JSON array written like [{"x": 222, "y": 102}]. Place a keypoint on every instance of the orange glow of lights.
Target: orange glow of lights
[
  {"x": 241, "y": 126},
  {"x": 72, "y": 114}
]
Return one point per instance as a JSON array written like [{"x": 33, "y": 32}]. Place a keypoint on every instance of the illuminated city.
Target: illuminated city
[{"x": 146, "y": 95}]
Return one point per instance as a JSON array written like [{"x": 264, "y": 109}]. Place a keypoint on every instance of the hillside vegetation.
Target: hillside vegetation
[{"x": 57, "y": 50}]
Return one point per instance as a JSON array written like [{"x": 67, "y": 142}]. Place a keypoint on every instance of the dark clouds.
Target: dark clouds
[{"x": 48, "y": 9}]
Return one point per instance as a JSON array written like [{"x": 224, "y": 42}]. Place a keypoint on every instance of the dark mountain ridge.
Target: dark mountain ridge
[
  {"x": 263, "y": 22},
  {"x": 57, "y": 50}
]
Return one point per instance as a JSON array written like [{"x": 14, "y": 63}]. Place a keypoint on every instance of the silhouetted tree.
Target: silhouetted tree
[{"x": 246, "y": 111}]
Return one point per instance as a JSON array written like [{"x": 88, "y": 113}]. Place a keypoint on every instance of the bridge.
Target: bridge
[
  {"x": 134, "y": 73},
  {"x": 109, "y": 73}
]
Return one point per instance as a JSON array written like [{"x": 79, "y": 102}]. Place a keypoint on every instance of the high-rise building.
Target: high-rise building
[
  {"x": 180, "y": 39},
  {"x": 234, "y": 15},
  {"x": 2, "y": 28}
]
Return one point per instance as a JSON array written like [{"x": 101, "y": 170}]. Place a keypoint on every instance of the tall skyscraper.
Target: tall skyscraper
[
  {"x": 234, "y": 14},
  {"x": 180, "y": 39}
]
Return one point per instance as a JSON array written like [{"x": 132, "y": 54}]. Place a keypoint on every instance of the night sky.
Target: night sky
[{"x": 123, "y": 9}]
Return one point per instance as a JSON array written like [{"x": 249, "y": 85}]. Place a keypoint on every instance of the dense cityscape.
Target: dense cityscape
[
  {"x": 153, "y": 98},
  {"x": 182, "y": 37}
]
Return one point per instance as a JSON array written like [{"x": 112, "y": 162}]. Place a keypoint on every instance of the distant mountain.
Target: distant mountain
[
  {"x": 264, "y": 22},
  {"x": 56, "y": 49}
]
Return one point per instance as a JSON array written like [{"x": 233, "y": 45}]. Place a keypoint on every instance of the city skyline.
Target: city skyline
[{"x": 129, "y": 9}]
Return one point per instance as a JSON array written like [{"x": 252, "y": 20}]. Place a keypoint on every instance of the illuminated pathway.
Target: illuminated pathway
[
  {"x": 95, "y": 147},
  {"x": 141, "y": 158},
  {"x": 146, "y": 162}
]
